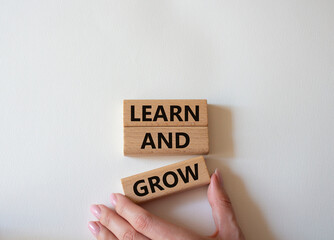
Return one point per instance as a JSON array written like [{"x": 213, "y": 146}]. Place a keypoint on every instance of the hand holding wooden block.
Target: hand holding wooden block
[{"x": 166, "y": 180}]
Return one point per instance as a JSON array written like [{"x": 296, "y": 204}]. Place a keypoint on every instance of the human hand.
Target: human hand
[{"x": 131, "y": 222}]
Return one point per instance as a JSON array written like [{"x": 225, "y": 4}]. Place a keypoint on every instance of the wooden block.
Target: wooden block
[
  {"x": 166, "y": 140},
  {"x": 165, "y": 113},
  {"x": 166, "y": 180}
]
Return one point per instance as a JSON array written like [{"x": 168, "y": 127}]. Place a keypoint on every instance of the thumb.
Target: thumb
[{"x": 222, "y": 210}]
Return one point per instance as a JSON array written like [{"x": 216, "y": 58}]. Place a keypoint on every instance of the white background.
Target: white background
[{"x": 265, "y": 67}]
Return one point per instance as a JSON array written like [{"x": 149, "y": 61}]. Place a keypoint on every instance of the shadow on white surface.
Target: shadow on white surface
[
  {"x": 220, "y": 132},
  {"x": 222, "y": 152}
]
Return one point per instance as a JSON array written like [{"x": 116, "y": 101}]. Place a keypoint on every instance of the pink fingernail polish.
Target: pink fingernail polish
[
  {"x": 94, "y": 228},
  {"x": 113, "y": 199},
  {"x": 219, "y": 176},
  {"x": 96, "y": 210}
]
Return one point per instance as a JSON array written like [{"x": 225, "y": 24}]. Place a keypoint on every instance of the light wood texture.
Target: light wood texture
[
  {"x": 166, "y": 140},
  {"x": 163, "y": 110},
  {"x": 166, "y": 180}
]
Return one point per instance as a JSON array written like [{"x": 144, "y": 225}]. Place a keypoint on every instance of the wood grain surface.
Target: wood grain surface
[{"x": 166, "y": 180}]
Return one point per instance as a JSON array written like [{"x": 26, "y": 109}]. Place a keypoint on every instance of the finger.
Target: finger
[
  {"x": 222, "y": 210},
  {"x": 116, "y": 224},
  {"x": 149, "y": 225},
  {"x": 100, "y": 232}
]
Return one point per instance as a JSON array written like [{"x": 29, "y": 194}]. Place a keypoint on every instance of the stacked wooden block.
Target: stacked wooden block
[{"x": 166, "y": 127}]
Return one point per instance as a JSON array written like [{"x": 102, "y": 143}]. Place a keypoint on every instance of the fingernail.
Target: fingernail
[
  {"x": 94, "y": 228},
  {"x": 113, "y": 199},
  {"x": 96, "y": 210},
  {"x": 219, "y": 176}
]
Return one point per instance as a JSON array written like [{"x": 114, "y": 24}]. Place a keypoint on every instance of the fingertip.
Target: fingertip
[
  {"x": 216, "y": 186},
  {"x": 214, "y": 179},
  {"x": 113, "y": 199},
  {"x": 219, "y": 176},
  {"x": 95, "y": 210},
  {"x": 119, "y": 194},
  {"x": 94, "y": 228},
  {"x": 213, "y": 183}
]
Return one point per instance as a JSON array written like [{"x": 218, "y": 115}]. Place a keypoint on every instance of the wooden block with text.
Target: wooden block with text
[
  {"x": 166, "y": 180},
  {"x": 165, "y": 127},
  {"x": 165, "y": 113},
  {"x": 166, "y": 140}
]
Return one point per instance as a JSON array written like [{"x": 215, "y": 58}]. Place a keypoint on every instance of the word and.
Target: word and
[{"x": 148, "y": 140}]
